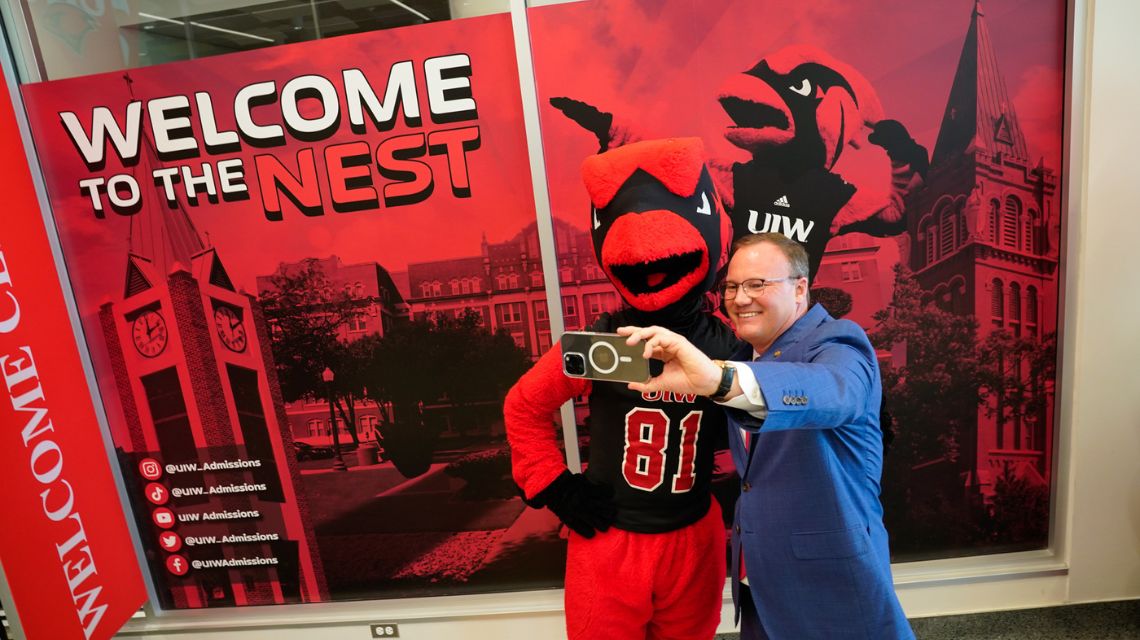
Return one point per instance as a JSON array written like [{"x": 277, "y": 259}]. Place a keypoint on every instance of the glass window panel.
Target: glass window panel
[{"x": 82, "y": 38}]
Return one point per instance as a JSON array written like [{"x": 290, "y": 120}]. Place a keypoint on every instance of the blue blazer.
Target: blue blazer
[{"x": 809, "y": 518}]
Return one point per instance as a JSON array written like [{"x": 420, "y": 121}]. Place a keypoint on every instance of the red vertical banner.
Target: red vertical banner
[{"x": 65, "y": 546}]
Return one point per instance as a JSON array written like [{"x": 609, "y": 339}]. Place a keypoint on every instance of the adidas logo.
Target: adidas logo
[{"x": 782, "y": 202}]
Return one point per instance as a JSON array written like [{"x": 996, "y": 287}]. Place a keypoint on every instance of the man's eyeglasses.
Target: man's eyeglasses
[{"x": 752, "y": 287}]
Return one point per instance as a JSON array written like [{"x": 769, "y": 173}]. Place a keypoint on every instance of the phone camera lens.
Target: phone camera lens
[{"x": 574, "y": 364}]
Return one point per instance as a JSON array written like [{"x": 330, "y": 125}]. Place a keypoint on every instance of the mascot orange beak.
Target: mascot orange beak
[
  {"x": 799, "y": 95},
  {"x": 761, "y": 118},
  {"x": 654, "y": 258}
]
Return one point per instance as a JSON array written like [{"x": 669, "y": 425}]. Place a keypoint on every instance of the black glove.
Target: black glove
[
  {"x": 588, "y": 117},
  {"x": 582, "y": 505},
  {"x": 892, "y": 136}
]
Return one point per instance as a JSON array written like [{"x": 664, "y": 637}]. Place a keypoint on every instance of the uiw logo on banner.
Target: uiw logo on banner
[{"x": 64, "y": 545}]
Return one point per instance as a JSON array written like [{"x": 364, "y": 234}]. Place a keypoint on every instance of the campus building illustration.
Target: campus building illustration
[
  {"x": 503, "y": 283},
  {"x": 984, "y": 238},
  {"x": 195, "y": 378}
]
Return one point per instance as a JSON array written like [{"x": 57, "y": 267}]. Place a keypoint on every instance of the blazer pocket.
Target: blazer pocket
[{"x": 841, "y": 543}]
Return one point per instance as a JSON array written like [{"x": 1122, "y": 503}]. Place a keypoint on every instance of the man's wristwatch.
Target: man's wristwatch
[{"x": 727, "y": 375}]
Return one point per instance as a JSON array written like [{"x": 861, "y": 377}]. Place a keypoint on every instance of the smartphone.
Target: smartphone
[{"x": 602, "y": 356}]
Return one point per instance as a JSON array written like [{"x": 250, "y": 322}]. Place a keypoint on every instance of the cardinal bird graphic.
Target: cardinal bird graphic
[{"x": 823, "y": 160}]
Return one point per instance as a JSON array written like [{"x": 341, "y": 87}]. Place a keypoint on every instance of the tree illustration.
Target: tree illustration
[
  {"x": 443, "y": 360},
  {"x": 1020, "y": 511},
  {"x": 305, "y": 313},
  {"x": 932, "y": 390},
  {"x": 836, "y": 301}
]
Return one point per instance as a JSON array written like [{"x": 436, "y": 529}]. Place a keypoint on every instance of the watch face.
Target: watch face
[
  {"x": 231, "y": 329},
  {"x": 149, "y": 333}
]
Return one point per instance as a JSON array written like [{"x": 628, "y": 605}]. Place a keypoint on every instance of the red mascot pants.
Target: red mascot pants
[{"x": 635, "y": 586}]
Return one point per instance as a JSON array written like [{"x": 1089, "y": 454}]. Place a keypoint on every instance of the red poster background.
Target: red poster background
[
  {"x": 977, "y": 248},
  {"x": 385, "y": 528}
]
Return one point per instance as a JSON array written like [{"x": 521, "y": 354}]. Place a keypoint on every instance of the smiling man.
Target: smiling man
[{"x": 809, "y": 549}]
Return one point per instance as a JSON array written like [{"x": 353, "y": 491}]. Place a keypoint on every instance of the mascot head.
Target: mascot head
[
  {"x": 660, "y": 231},
  {"x": 799, "y": 101}
]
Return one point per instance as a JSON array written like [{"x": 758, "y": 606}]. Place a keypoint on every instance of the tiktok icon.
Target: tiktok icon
[{"x": 157, "y": 493}]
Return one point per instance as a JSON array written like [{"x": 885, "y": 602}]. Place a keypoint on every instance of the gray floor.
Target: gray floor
[{"x": 1100, "y": 621}]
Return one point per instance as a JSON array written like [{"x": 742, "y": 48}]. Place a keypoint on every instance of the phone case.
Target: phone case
[{"x": 602, "y": 356}]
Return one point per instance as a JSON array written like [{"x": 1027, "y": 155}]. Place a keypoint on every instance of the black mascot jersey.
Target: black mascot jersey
[
  {"x": 657, "y": 452},
  {"x": 802, "y": 208}
]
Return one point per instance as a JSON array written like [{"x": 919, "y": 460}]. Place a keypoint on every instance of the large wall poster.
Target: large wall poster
[
  {"x": 813, "y": 114},
  {"x": 307, "y": 276}
]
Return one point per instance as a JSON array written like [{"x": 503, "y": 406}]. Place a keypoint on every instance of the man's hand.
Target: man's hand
[{"x": 687, "y": 369}]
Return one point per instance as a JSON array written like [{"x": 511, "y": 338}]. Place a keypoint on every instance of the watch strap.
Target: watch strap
[{"x": 727, "y": 376}]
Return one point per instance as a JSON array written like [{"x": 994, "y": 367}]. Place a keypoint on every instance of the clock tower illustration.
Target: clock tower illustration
[{"x": 196, "y": 381}]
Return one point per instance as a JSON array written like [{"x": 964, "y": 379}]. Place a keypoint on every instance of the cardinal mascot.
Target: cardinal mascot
[
  {"x": 646, "y": 549},
  {"x": 823, "y": 160}
]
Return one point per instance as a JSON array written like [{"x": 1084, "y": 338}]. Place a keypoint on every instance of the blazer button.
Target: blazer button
[
  {"x": 737, "y": 528},
  {"x": 746, "y": 487}
]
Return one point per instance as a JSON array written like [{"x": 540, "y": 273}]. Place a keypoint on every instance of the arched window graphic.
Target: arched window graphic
[
  {"x": 1031, "y": 310},
  {"x": 501, "y": 281},
  {"x": 946, "y": 229},
  {"x": 436, "y": 288},
  {"x": 929, "y": 243},
  {"x": 997, "y": 302},
  {"x": 1010, "y": 219},
  {"x": 958, "y": 302},
  {"x": 536, "y": 278},
  {"x": 455, "y": 288},
  {"x": 994, "y": 222},
  {"x": 942, "y": 297},
  {"x": 476, "y": 287},
  {"x": 465, "y": 285},
  {"x": 425, "y": 289},
  {"x": 1015, "y": 308},
  {"x": 1029, "y": 243},
  {"x": 513, "y": 281}
]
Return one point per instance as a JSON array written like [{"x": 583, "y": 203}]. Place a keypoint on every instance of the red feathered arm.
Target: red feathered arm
[{"x": 536, "y": 459}]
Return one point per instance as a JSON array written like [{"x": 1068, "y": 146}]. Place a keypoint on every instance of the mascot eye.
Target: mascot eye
[
  {"x": 594, "y": 214},
  {"x": 704, "y": 209},
  {"x": 803, "y": 89}
]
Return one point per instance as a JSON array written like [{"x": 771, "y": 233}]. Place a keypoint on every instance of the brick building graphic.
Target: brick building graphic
[
  {"x": 984, "y": 242},
  {"x": 198, "y": 389},
  {"x": 503, "y": 284},
  {"x": 855, "y": 264},
  {"x": 379, "y": 306}
]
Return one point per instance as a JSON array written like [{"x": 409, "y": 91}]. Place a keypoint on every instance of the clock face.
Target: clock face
[
  {"x": 149, "y": 333},
  {"x": 231, "y": 329}
]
